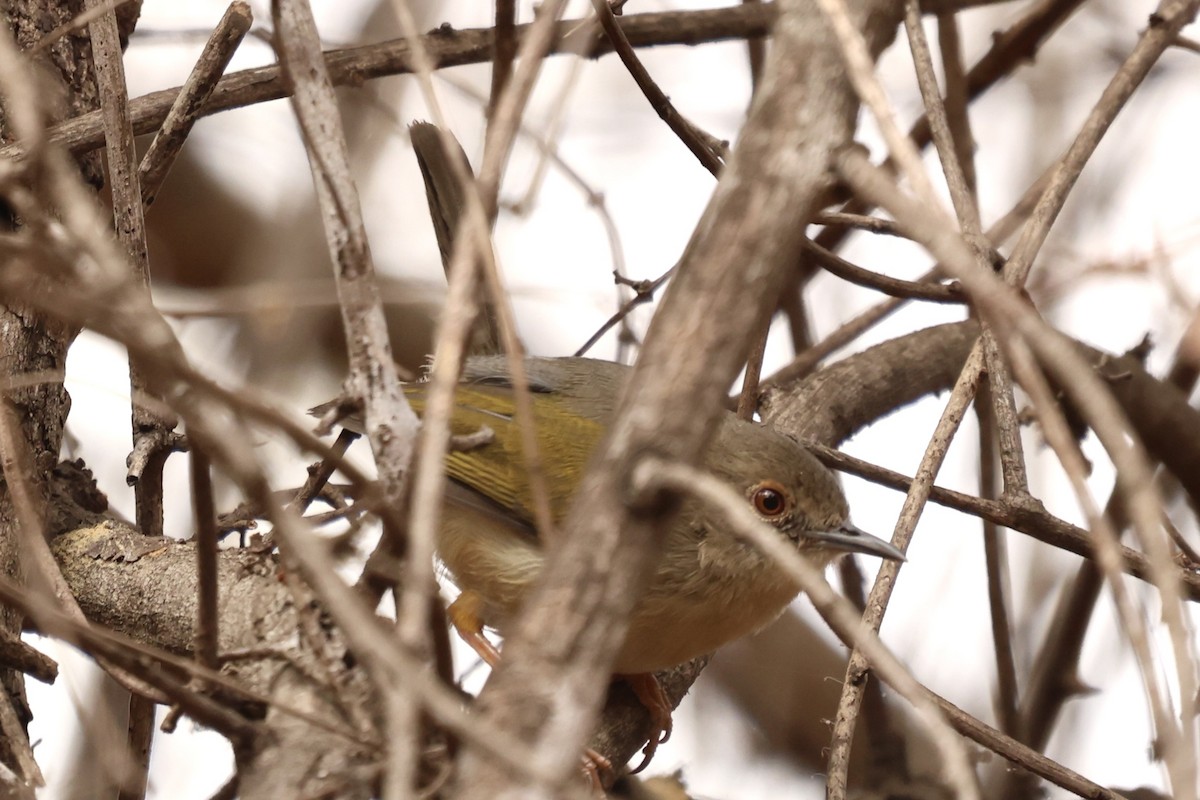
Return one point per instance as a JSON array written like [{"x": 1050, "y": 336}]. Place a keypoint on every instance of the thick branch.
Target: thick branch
[{"x": 559, "y": 656}]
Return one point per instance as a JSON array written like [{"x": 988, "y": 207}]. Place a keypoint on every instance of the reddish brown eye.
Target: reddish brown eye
[{"x": 769, "y": 499}]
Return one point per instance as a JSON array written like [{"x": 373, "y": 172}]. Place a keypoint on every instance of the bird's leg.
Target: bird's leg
[
  {"x": 466, "y": 615},
  {"x": 651, "y": 695}
]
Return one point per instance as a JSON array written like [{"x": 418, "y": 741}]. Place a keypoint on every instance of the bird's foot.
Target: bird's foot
[
  {"x": 650, "y": 692},
  {"x": 466, "y": 615},
  {"x": 599, "y": 771}
]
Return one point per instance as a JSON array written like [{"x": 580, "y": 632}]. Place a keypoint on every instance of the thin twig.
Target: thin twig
[
  {"x": 794, "y": 308},
  {"x": 17, "y": 741},
  {"x": 391, "y": 425},
  {"x": 319, "y": 473},
  {"x": 756, "y": 52},
  {"x": 352, "y": 66},
  {"x": 207, "y": 609},
  {"x": 860, "y": 70},
  {"x": 1022, "y": 755},
  {"x": 643, "y": 293},
  {"x": 1024, "y": 516},
  {"x": 1004, "y": 417},
  {"x": 1054, "y": 676},
  {"x": 17, "y": 654},
  {"x": 655, "y": 473},
  {"x": 199, "y": 86},
  {"x": 139, "y": 739},
  {"x": 699, "y": 143},
  {"x": 860, "y": 222},
  {"x": 995, "y": 553},
  {"x": 78, "y": 22},
  {"x": 960, "y": 190},
  {"x": 914, "y": 503},
  {"x": 1083, "y": 386},
  {"x": 748, "y": 399},
  {"x": 893, "y": 287},
  {"x": 549, "y": 155},
  {"x": 152, "y": 434},
  {"x": 956, "y": 99},
  {"x": 481, "y": 198},
  {"x": 504, "y": 49},
  {"x": 1011, "y": 48},
  {"x": 807, "y": 361},
  {"x": 1133, "y": 617},
  {"x": 1168, "y": 19}
]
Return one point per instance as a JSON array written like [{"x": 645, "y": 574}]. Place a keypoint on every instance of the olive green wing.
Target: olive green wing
[{"x": 499, "y": 469}]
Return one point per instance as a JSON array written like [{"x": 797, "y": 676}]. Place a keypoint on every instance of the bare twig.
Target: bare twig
[
  {"x": 837, "y": 611},
  {"x": 207, "y": 631},
  {"x": 17, "y": 743},
  {"x": 354, "y": 65},
  {"x": 151, "y": 431},
  {"x": 194, "y": 93},
  {"x": 748, "y": 399},
  {"x": 558, "y": 657},
  {"x": 1027, "y": 517},
  {"x": 756, "y": 52},
  {"x": 960, "y": 190},
  {"x": 808, "y": 360},
  {"x": 699, "y": 143},
  {"x": 894, "y": 287},
  {"x": 391, "y": 424},
  {"x": 956, "y": 99},
  {"x": 138, "y": 742},
  {"x": 1133, "y": 618},
  {"x": 77, "y": 23},
  {"x": 1083, "y": 387},
  {"x": 16, "y": 654},
  {"x": 877, "y": 600},
  {"x": 852, "y": 630},
  {"x": 1016, "y": 45},
  {"x": 1054, "y": 677},
  {"x": 1167, "y": 20},
  {"x": 860, "y": 70},
  {"x": 859, "y": 222},
  {"x": 504, "y": 49},
  {"x": 643, "y": 293},
  {"x": 1004, "y": 416},
  {"x": 995, "y": 553}
]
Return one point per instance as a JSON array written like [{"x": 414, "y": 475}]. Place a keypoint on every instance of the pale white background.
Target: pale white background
[{"x": 557, "y": 264}]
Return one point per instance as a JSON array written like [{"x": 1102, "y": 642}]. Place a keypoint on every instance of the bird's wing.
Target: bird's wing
[{"x": 498, "y": 470}]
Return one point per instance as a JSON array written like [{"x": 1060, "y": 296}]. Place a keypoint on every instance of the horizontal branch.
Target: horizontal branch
[
  {"x": 445, "y": 47},
  {"x": 1027, "y": 516},
  {"x": 857, "y": 391}
]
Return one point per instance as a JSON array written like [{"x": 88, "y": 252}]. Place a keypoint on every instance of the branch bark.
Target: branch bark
[{"x": 558, "y": 659}]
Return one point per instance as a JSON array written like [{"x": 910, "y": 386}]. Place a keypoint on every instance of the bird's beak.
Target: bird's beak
[{"x": 851, "y": 539}]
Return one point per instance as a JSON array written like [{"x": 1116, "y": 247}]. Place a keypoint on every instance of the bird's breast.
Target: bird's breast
[
  {"x": 726, "y": 596},
  {"x": 498, "y": 561}
]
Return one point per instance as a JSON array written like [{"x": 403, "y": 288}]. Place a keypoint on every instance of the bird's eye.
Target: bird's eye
[{"x": 769, "y": 499}]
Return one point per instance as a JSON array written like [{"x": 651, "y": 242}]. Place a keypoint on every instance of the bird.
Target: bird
[{"x": 709, "y": 586}]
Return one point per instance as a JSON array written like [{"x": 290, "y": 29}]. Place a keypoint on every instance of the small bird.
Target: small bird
[{"x": 709, "y": 587}]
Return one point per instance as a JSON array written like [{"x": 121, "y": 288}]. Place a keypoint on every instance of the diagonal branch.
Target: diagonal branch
[{"x": 559, "y": 655}]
